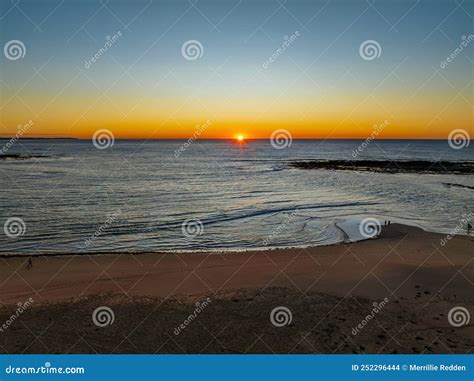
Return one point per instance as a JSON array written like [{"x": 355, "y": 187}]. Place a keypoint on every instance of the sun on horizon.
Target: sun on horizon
[{"x": 72, "y": 82}]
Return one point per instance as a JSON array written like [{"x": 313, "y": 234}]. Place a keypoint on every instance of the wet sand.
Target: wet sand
[{"x": 328, "y": 292}]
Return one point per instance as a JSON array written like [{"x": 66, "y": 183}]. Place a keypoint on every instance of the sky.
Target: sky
[{"x": 252, "y": 67}]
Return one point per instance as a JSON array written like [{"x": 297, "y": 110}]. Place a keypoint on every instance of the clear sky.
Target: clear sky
[{"x": 319, "y": 85}]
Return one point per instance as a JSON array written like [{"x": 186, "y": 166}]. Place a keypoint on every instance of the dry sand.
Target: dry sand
[{"x": 328, "y": 290}]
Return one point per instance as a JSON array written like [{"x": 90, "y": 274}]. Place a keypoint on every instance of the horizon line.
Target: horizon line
[{"x": 232, "y": 139}]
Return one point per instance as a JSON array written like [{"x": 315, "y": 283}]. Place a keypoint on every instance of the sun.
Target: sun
[{"x": 240, "y": 138}]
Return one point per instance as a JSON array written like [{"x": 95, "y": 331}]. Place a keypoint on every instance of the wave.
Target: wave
[{"x": 130, "y": 229}]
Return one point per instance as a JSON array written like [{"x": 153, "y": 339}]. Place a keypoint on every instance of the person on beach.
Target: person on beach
[
  {"x": 30, "y": 263},
  {"x": 469, "y": 228}
]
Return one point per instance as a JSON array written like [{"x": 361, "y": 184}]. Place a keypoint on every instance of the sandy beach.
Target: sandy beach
[{"x": 329, "y": 291}]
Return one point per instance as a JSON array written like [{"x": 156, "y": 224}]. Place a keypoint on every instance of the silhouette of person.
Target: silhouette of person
[{"x": 30, "y": 263}]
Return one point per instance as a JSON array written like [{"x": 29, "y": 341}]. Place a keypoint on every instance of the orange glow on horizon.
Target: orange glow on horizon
[{"x": 341, "y": 118}]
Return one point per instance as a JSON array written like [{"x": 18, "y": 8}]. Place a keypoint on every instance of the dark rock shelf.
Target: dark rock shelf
[{"x": 382, "y": 166}]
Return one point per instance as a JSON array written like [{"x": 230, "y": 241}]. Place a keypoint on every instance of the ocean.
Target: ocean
[{"x": 215, "y": 195}]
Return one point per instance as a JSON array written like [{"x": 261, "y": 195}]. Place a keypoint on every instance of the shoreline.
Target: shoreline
[
  {"x": 328, "y": 289},
  {"x": 346, "y": 240},
  {"x": 364, "y": 247}
]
